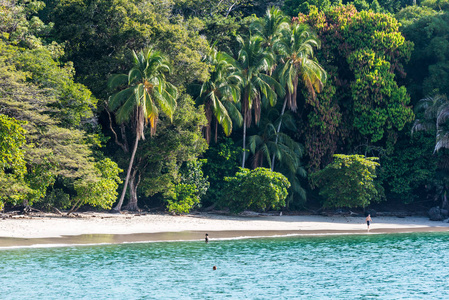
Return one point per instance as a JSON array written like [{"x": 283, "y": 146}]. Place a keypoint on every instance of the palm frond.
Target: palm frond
[
  {"x": 442, "y": 140},
  {"x": 119, "y": 98},
  {"x": 166, "y": 102},
  {"x": 135, "y": 75},
  {"x": 126, "y": 110},
  {"x": 147, "y": 87},
  {"x": 152, "y": 113},
  {"x": 117, "y": 81},
  {"x": 234, "y": 113},
  {"x": 442, "y": 114}
]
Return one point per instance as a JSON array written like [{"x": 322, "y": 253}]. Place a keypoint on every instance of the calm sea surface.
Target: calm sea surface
[{"x": 394, "y": 266}]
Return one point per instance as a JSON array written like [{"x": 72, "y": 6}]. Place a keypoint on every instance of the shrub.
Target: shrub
[{"x": 258, "y": 189}]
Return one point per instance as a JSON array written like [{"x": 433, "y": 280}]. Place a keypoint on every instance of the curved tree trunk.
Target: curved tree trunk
[
  {"x": 246, "y": 119},
  {"x": 278, "y": 130},
  {"x": 118, "y": 207},
  {"x": 216, "y": 130},
  {"x": 75, "y": 207},
  {"x": 132, "y": 203},
  {"x": 244, "y": 143},
  {"x": 209, "y": 117}
]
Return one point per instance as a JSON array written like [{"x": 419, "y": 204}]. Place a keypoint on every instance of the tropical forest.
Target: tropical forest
[{"x": 180, "y": 105}]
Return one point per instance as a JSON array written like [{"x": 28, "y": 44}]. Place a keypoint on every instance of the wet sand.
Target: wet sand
[
  {"x": 101, "y": 239},
  {"x": 102, "y": 228}
]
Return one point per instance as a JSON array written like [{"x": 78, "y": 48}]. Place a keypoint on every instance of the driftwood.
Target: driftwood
[{"x": 56, "y": 210}]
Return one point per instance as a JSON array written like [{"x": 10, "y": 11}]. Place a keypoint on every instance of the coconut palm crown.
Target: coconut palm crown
[
  {"x": 147, "y": 88},
  {"x": 220, "y": 93},
  {"x": 296, "y": 48},
  {"x": 270, "y": 26}
]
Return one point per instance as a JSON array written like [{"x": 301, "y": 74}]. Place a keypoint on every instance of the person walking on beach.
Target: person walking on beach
[
  {"x": 368, "y": 220},
  {"x": 207, "y": 238}
]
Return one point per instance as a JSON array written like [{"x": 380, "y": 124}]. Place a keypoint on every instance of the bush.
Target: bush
[
  {"x": 348, "y": 181},
  {"x": 184, "y": 200},
  {"x": 258, "y": 189}
]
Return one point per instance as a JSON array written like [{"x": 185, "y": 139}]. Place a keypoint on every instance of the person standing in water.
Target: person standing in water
[
  {"x": 207, "y": 238},
  {"x": 368, "y": 220}
]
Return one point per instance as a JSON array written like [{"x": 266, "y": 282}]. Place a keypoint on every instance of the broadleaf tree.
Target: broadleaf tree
[{"x": 348, "y": 181}]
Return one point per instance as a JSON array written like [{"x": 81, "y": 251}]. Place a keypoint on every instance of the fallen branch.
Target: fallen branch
[{"x": 56, "y": 210}]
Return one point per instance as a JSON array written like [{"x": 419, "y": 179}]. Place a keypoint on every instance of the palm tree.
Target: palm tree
[
  {"x": 220, "y": 93},
  {"x": 256, "y": 86},
  {"x": 263, "y": 144},
  {"x": 270, "y": 26},
  {"x": 296, "y": 48},
  {"x": 435, "y": 116},
  {"x": 287, "y": 152},
  {"x": 146, "y": 89}
]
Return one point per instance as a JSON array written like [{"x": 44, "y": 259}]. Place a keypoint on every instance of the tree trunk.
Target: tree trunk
[
  {"x": 123, "y": 145},
  {"x": 244, "y": 142},
  {"x": 246, "y": 108},
  {"x": 216, "y": 130},
  {"x": 278, "y": 130},
  {"x": 75, "y": 206},
  {"x": 118, "y": 207},
  {"x": 444, "y": 204},
  {"x": 132, "y": 203}
]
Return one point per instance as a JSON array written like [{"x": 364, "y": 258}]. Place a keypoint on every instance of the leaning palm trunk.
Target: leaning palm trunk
[
  {"x": 246, "y": 121},
  {"x": 207, "y": 128},
  {"x": 244, "y": 143},
  {"x": 278, "y": 130},
  {"x": 216, "y": 130},
  {"x": 118, "y": 207},
  {"x": 290, "y": 98}
]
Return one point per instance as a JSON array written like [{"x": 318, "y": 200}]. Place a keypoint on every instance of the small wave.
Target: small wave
[{"x": 37, "y": 246}]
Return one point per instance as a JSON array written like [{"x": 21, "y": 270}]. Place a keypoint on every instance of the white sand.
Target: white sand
[{"x": 104, "y": 223}]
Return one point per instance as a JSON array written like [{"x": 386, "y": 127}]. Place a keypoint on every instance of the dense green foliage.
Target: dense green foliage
[
  {"x": 221, "y": 160},
  {"x": 427, "y": 27},
  {"x": 99, "y": 34},
  {"x": 12, "y": 161},
  {"x": 159, "y": 159},
  {"x": 193, "y": 185},
  {"x": 259, "y": 189},
  {"x": 347, "y": 181},
  {"x": 363, "y": 103},
  {"x": 405, "y": 173},
  {"x": 184, "y": 199},
  {"x": 192, "y": 174},
  {"x": 290, "y": 87},
  {"x": 62, "y": 140}
]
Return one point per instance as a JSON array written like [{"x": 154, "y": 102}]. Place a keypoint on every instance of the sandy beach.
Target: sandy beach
[{"x": 93, "y": 227}]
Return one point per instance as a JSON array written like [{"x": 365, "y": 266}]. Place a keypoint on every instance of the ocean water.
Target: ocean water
[{"x": 392, "y": 266}]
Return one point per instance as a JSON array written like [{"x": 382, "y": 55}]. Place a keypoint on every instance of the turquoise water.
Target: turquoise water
[{"x": 400, "y": 266}]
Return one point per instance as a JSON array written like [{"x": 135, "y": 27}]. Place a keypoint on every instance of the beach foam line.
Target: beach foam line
[
  {"x": 37, "y": 246},
  {"x": 77, "y": 241}
]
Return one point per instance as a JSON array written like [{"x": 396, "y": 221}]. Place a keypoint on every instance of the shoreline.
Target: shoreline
[
  {"x": 183, "y": 236},
  {"x": 49, "y": 230}
]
